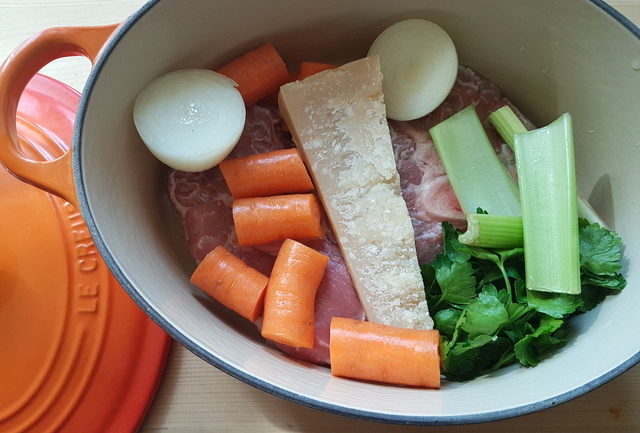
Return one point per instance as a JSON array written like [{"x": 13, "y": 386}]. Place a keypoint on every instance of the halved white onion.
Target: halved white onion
[
  {"x": 419, "y": 67},
  {"x": 190, "y": 119}
]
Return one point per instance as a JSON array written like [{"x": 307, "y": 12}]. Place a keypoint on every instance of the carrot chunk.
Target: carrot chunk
[
  {"x": 382, "y": 353},
  {"x": 231, "y": 282},
  {"x": 290, "y": 298},
  {"x": 258, "y": 73},
  {"x": 259, "y": 220},
  {"x": 310, "y": 68},
  {"x": 272, "y": 173}
]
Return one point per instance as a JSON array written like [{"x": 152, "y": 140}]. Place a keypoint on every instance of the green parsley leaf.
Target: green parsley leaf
[
  {"x": 470, "y": 358},
  {"x": 485, "y": 314},
  {"x": 519, "y": 312},
  {"x": 518, "y": 330},
  {"x": 592, "y": 296},
  {"x": 456, "y": 280},
  {"x": 503, "y": 295},
  {"x": 428, "y": 276},
  {"x": 520, "y": 292},
  {"x": 614, "y": 282},
  {"x": 489, "y": 271},
  {"x": 600, "y": 249},
  {"x": 451, "y": 246},
  {"x": 446, "y": 320},
  {"x": 533, "y": 346},
  {"x": 554, "y": 304}
]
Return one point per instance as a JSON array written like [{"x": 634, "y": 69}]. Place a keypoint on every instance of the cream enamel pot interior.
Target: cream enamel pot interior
[{"x": 549, "y": 57}]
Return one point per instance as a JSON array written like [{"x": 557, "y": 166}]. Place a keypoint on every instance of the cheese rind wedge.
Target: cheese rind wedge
[{"x": 337, "y": 119}]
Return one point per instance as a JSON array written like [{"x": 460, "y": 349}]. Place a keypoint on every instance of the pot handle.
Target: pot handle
[{"x": 15, "y": 73}]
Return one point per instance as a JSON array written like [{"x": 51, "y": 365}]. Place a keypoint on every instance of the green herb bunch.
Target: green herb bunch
[{"x": 488, "y": 319}]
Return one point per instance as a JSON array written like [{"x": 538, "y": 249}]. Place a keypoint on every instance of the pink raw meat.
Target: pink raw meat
[
  {"x": 188, "y": 190},
  {"x": 419, "y": 167},
  {"x": 425, "y": 186},
  {"x": 263, "y": 132},
  {"x": 211, "y": 224}
]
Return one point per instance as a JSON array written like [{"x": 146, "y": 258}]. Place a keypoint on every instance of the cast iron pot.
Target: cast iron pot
[{"x": 549, "y": 57}]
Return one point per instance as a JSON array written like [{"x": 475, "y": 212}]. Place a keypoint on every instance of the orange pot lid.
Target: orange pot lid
[{"x": 76, "y": 353}]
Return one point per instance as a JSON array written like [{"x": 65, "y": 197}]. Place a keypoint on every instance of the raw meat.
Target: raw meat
[
  {"x": 263, "y": 132},
  {"x": 188, "y": 190},
  {"x": 425, "y": 186},
  {"x": 211, "y": 224}
]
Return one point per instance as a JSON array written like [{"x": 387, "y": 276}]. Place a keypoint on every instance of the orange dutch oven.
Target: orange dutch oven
[
  {"x": 549, "y": 57},
  {"x": 77, "y": 354}
]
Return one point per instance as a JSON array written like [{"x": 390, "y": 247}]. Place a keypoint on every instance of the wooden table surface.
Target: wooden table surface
[{"x": 196, "y": 397}]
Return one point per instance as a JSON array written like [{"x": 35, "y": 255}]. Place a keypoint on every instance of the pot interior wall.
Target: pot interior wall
[{"x": 549, "y": 57}]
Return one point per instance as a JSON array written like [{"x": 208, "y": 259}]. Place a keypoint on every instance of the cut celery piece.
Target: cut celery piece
[
  {"x": 508, "y": 124},
  {"x": 546, "y": 175},
  {"x": 492, "y": 231},
  {"x": 587, "y": 212},
  {"x": 505, "y": 121},
  {"x": 478, "y": 177}
]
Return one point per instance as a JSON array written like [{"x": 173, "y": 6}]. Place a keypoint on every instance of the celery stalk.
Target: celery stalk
[
  {"x": 546, "y": 175},
  {"x": 507, "y": 123},
  {"x": 492, "y": 231},
  {"x": 478, "y": 177},
  {"x": 587, "y": 212}
]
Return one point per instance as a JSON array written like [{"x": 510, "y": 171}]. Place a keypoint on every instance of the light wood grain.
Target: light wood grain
[{"x": 196, "y": 397}]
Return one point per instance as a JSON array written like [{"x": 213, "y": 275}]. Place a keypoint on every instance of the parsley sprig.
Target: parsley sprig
[{"x": 486, "y": 317}]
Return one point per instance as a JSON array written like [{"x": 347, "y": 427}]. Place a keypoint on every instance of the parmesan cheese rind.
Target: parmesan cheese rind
[{"x": 337, "y": 119}]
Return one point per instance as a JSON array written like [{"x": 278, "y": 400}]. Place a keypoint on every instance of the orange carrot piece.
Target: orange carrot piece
[
  {"x": 231, "y": 282},
  {"x": 272, "y": 173},
  {"x": 309, "y": 68},
  {"x": 258, "y": 73},
  {"x": 260, "y": 220},
  {"x": 288, "y": 316},
  {"x": 382, "y": 353}
]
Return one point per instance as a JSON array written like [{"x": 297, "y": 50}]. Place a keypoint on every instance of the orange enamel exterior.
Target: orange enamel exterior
[
  {"x": 25, "y": 61},
  {"x": 77, "y": 354}
]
